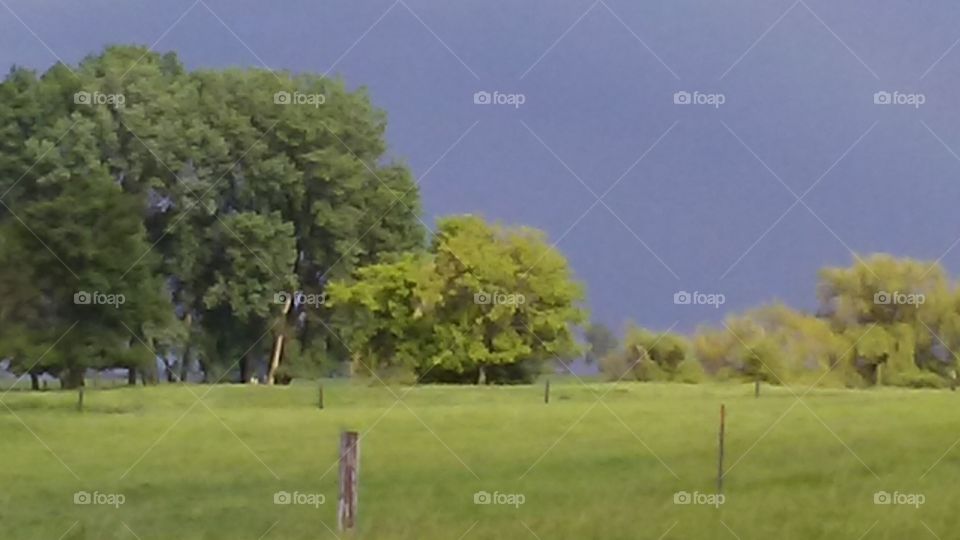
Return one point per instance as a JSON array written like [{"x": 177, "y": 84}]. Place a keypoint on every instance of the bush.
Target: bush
[
  {"x": 690, "y": 371},
  {"x": 923, "y": 379},
  {"x": 616, "y": 365},
  {"x": 650, "y": 371}
]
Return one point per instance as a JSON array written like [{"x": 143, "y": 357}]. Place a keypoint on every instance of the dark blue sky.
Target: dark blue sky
[{"x": 706, "y": 209}]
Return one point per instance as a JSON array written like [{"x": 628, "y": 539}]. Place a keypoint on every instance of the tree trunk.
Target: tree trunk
[
  {"x": 185, "y": 363},
  {"x": 275, "y": 358},
  {"x": 245, "y": 369},
  {"x": 187, "y": 349},
  {"x": 34, "y": 381},
  {"x": 482, "y": 375},
  {"x": 151, "y": 375},
  {"x": 131, "y": 376},
  {"x": 72, "y": 378},
  {"x": 278, "y": 343}
]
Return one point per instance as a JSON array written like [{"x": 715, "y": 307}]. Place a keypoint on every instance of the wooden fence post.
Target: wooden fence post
[
  {"x": 320, "y": 396},
  {"x": 349, "y": 480},
  {"x": 546, "y": 392},
  {"x": 720, "y": 458}
]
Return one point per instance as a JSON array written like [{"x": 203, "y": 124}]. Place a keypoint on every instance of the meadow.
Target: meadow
[{"x": 599, "y": 461}]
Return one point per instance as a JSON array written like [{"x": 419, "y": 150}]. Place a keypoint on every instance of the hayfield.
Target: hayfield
[{"x": 599, "y": 461}]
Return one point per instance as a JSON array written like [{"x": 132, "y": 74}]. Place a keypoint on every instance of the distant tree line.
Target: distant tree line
[
  {"x": 248, "y": 225},
  {"x": 881, "y": 321}
]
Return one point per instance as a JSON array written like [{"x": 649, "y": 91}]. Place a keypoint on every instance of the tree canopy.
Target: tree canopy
[
  {"x": 486, "y": 303},
  {"x": 194, "y": 196}
]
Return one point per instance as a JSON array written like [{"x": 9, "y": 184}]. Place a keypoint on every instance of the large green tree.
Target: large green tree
[
  {"x": 898, "y": 309},
  {"x": 225, "y": 187},
  {"x": 488, "y": 303}
]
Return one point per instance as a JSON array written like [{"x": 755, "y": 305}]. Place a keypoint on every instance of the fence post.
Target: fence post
[
  {"x": 349, "y": 480},
  {"x": 720, "y": 457},
  {"x": 756, "y": 388},
  {"x": 546, "y": 392},
  {"x": 80, "y": 398},
  {"x": 320, "y": 396}
]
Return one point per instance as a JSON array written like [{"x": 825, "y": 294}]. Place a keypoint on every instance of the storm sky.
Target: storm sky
[{"x": 715, "y": 146}]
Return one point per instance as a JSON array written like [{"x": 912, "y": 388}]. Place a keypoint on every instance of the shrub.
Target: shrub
[
  {"x": 921, "y": 379},
  {"x": 690, "y": 371}
]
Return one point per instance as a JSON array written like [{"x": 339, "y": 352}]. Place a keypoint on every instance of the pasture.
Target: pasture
[{"x": 599, "y": 461}]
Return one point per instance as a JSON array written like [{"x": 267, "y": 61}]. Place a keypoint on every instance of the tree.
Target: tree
[
  {"x": 899, "y": 307},
  {"x": 73, "y": 249},
  {"x": 652, "y": 356},
  {"x": 251, "y": 276},
  {"x": 775, "y": 344},
  {"x": 507, "y": 296},
  {"x": 382, "y": 314},
  {"x": 197, "y": 163},
  {"x": 487, "y": 303},
  {"x": 601, "y": 341}
]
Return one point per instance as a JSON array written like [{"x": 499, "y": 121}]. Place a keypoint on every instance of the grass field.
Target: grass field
[{"x": 610, "y": 469}]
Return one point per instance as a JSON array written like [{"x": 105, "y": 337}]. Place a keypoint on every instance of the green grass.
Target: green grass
[{"x": 587, "y": 469}]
